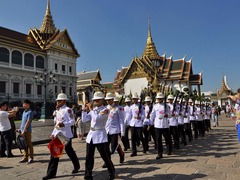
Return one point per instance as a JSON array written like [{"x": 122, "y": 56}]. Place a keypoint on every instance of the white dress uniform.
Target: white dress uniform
[
  {"x": 172, "y": 119},
  {"x": 157, "y": 116},
  {"x": 146, "y": 120},
  {"x": 192, "y": 113},
  {"x": 134, "y": 114},
  {"x": 127, "y": 117},
  {"x": 115, "y": 120},
  {"x": 64, "y": 115},
  {"x": 161, "y": 125},
  {"x": 98, "y": 118}
]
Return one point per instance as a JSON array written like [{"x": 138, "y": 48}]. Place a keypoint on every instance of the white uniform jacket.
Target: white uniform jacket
[
  {"x": 199, "y": 115},
  {"x": 191, "y": 113},
  {"x": 172, "y": 119},
  {"x": 180, "y": 117},
  {"x": 157, "y": 116},
  {"x": 136, "y": 117},
  {"x": 127, "y": 117},
  {"x": 115, "y": 120},
  {"x": 64, "y": 115},
  {"x": 146, "y": 120},
  {"x": 98, "y": 117},
  {"x": 207, "y": 113},
  {"x": 186, "y": 114}
]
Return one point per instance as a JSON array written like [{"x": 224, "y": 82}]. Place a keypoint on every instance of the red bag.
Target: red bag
[{"x": 56, "y": 148}]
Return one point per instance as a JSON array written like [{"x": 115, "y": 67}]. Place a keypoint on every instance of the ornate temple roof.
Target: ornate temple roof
[
  {"x": 150, "y": 49},
  {"x": 48, "y": 36},
  {"x": 169, "y": 70},
  {"x": 225, "y": 88},
  {"x": 48, "y": 26}
]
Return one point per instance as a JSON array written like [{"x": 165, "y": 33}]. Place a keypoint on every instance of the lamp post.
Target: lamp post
[
  {"x": 156, "y": 64},
  {"x": 44, "y": 79}
]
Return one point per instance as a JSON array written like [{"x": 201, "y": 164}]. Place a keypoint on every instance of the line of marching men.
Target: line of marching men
[{"x": 172, "y": 120}]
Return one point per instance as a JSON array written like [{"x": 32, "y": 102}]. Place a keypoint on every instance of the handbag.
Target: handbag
[{"x": 56, "y": 147}]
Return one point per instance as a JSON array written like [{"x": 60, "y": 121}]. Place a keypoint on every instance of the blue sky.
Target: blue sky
[{"x": 109, "y": 33}]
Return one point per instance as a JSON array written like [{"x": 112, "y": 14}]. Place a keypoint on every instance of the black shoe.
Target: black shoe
[
  {"x": 3, "y": 155},
  {"x": 122, "y": 159},
  {"x": 111, "y": 177},
  {"x": 184, "y": 143},
  {"x": 10, "y": 156},
  {"x": 169, "y": 153},
  {"x": 48, "y": 177},
  {"x": 125, "y": 149},
  {"x": 159, "y": 156},
  {"x": 75, "y": 171},
  {"x": 88, "y": 178},
  {"x": 104, "y": 166},
  {"x": 23, "y": 160},
  {"x": 133, "y": 154}
]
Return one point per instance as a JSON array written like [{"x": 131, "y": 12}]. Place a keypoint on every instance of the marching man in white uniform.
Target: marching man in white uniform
[
  {"x": 137, "y": 116},
  {"x": 127, "y": 119},
  {"x": 64, "y": 120},
  {"x": 114, "y": 126},
  {"x": 97, "y": 136},
  {"x": 159, "y": 117}
]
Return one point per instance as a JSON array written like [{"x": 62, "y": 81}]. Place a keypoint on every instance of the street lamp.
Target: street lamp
[
  {"x": 156, "y": 64},
  {"x": 44, "y": 79}
]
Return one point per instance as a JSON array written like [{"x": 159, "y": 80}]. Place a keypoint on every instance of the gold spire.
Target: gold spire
[
  {"x": 150, "y": 50},
  {"x": 48, "y": 26}
]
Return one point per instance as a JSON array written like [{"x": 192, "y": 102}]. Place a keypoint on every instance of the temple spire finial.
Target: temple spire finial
[
  {"x": 48, "y": 26},
  {"x": 150, "y": 49}
]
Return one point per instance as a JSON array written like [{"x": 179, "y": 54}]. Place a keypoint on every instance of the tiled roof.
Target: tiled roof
[
  {"x": 22, "y": 39},
  {"x": 88, "y": 75}
]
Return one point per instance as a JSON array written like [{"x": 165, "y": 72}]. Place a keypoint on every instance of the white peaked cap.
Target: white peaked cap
[
  {"x": 109, "y": 96},
  {"x": 197, "y": 102},
  {"x": 190, "y": 100},
  {"x": 147, "y": 98},
  {"x": 135, "y": 96},
  {"x": 61, "y": 96},
  {"x": 127, "y": 99},
  {"x": 98, "y": 95},
  {"x": 159, "y": 95},
  {"x": 116, "y": 99},
  {"x": 170, "y": 96}
]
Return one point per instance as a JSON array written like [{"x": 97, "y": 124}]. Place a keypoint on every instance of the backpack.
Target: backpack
[{"x": 21, "y": 142}]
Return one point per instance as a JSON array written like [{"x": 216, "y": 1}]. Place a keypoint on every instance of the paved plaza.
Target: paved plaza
[{"x": 215, "y": 156}]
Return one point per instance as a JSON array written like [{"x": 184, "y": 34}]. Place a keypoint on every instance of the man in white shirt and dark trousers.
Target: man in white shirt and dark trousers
[
  {"x": 159, "y": 117},
  {"x": 114, "y": 126},
  {"x": 127, "y": 119},
  {"x": 64, "y": 121},
  {"x": 97, "y": 136},
  {"x": 173, "y": 123},
  {"x": 137, "y": 116}
]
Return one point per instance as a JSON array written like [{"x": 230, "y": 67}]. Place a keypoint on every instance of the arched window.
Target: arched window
[
  {"x": 17, "y": 57},
  {"x": 40, "y": 62},
  {"x": 28, "y": 60},
  {"x": 4, "y": 55}
]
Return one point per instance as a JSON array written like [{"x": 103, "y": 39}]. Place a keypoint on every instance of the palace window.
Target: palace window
[
  {"x": 28, "y": 60},
  {"x": 39, "y": 89},
  {"x": 28, "y": 89},
  {"x": 56, "y": 89},
  {"x": 40, "y": 62},
  {"x": 2, "y": 87},
  {"x": 4, "y": 55},
  {"x": 63, "y": 89},
  {"x": 70, "y": 91},
  {"x": 56, "y": 67},
  {"x": 70, "y": 69},
  {"x": 17, "y": 57},
  {"x": 63, "y": 68},
  {"x": 16, "y": 88}
]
